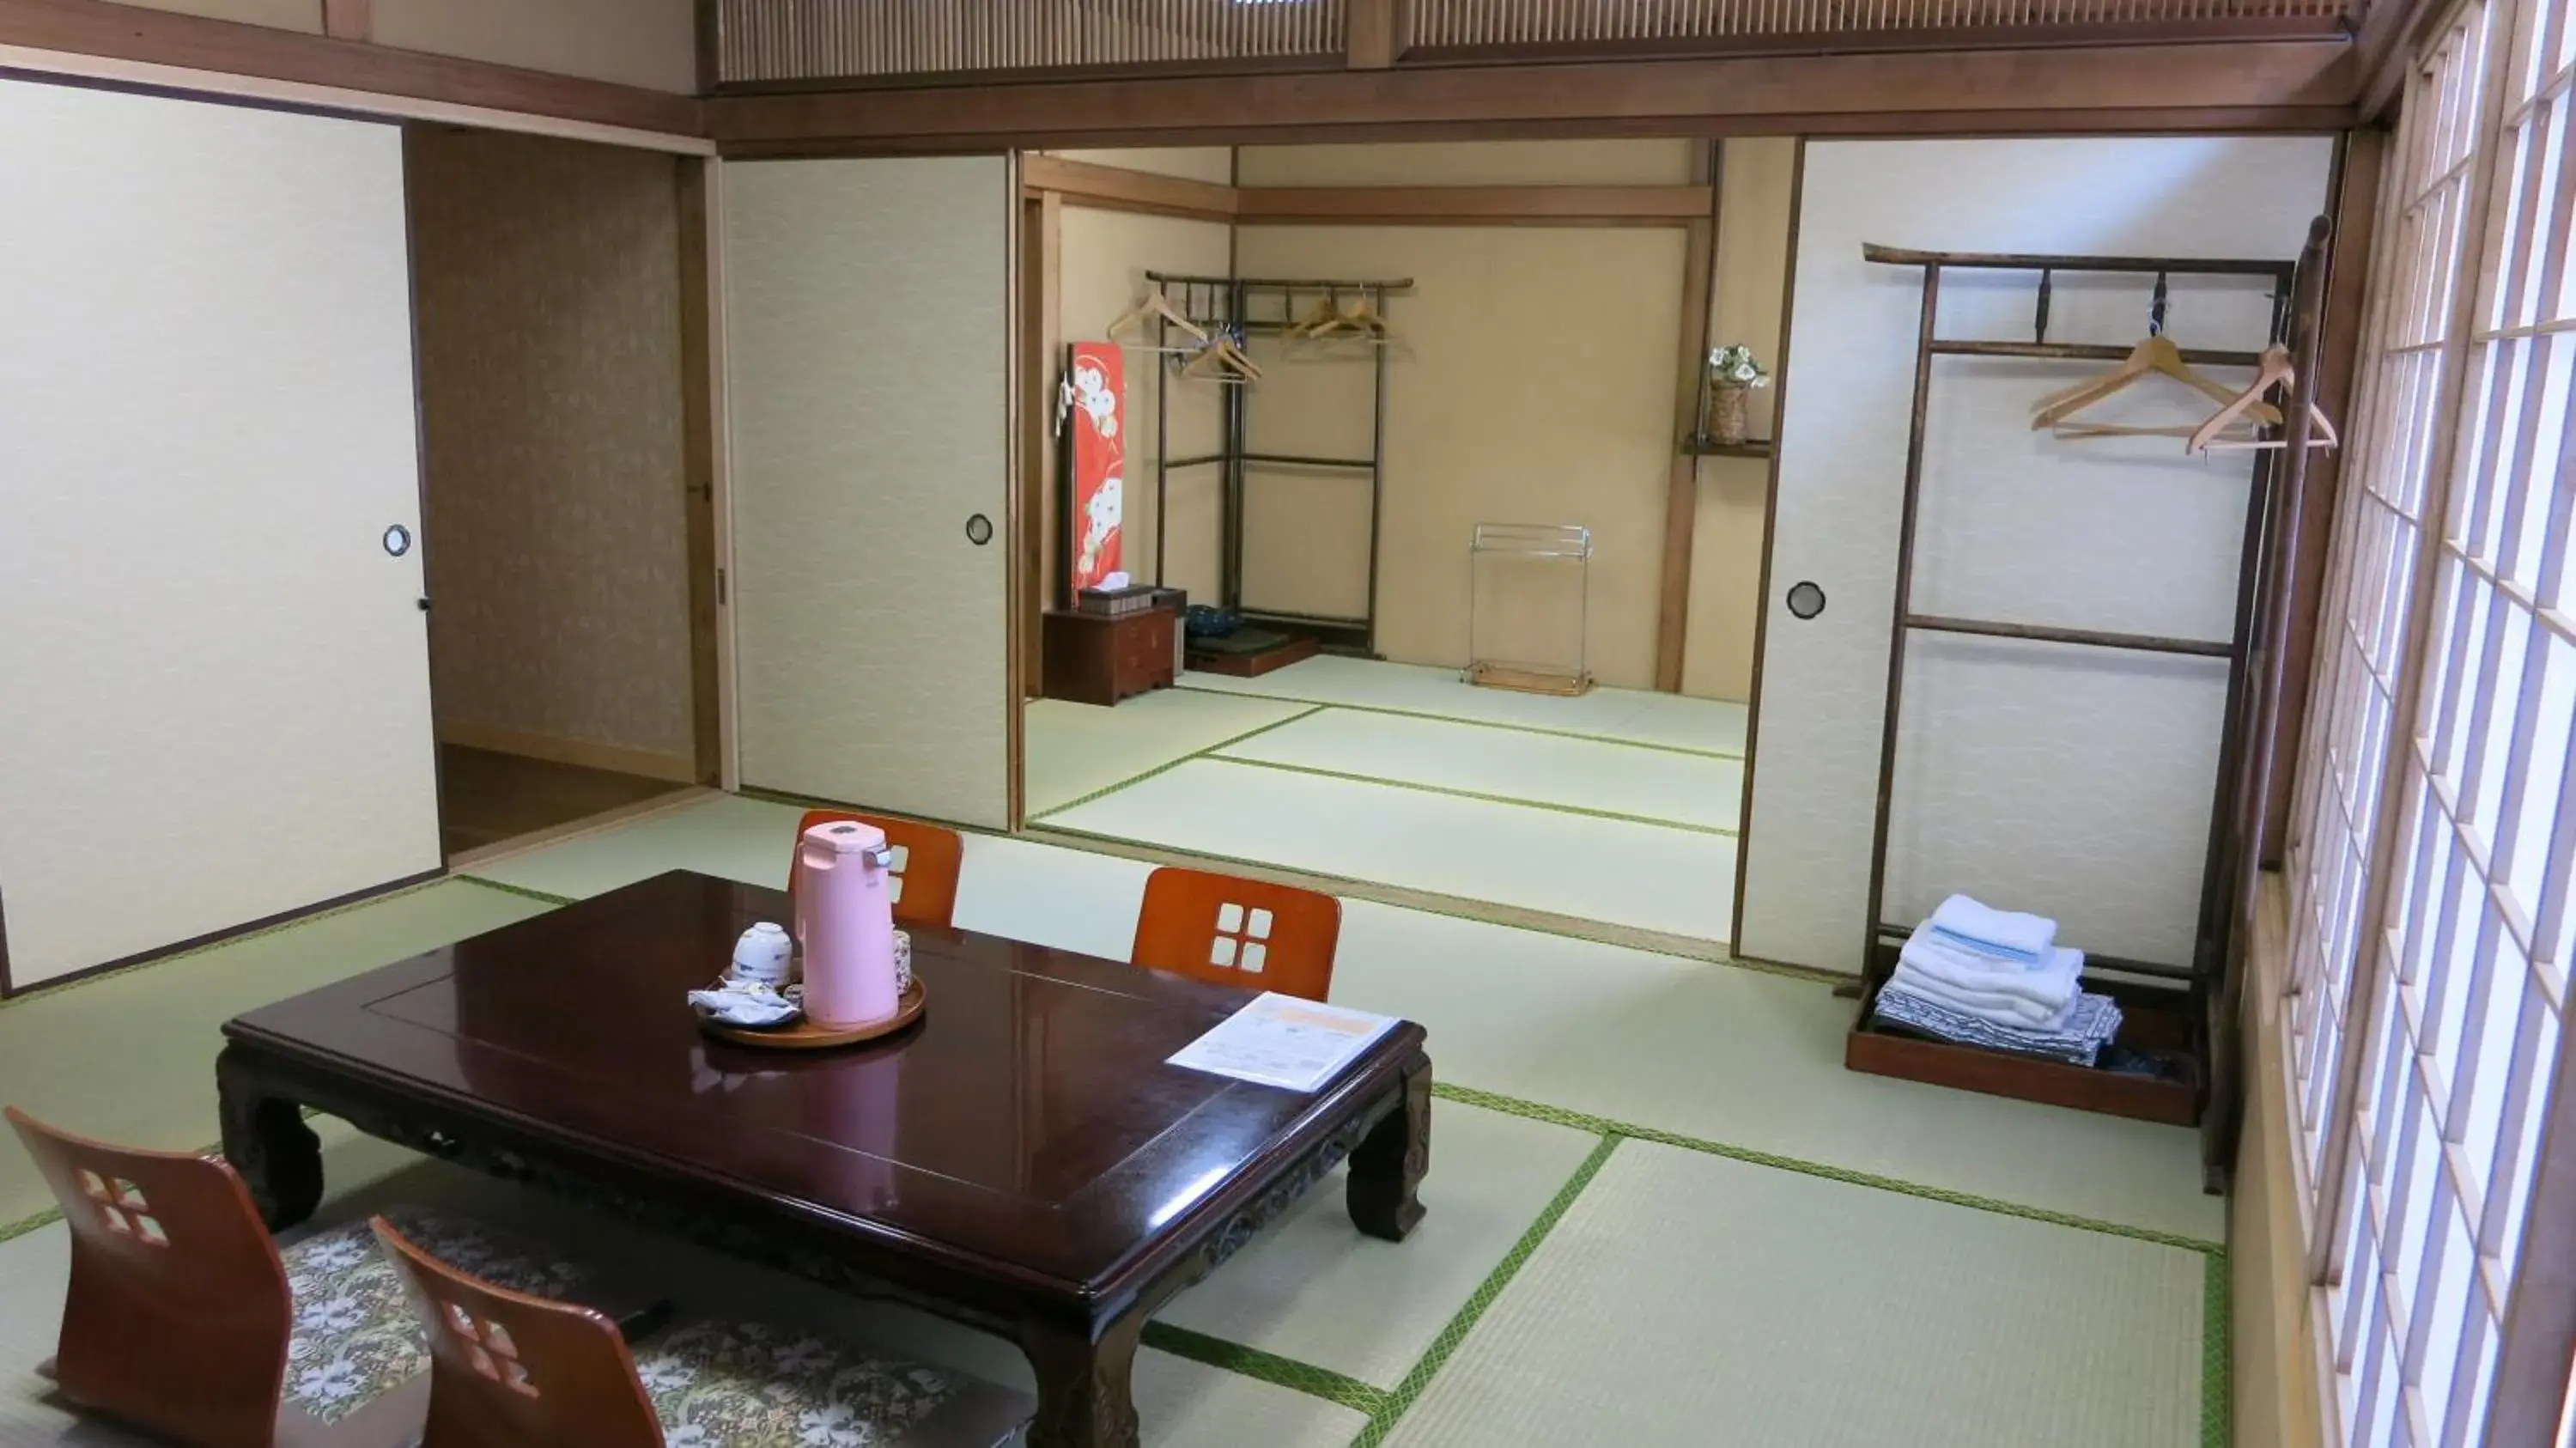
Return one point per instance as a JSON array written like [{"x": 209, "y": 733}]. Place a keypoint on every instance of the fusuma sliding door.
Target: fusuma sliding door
[
  {"x": 214, "y": 684},
  {"x": 867, "y": 335}
]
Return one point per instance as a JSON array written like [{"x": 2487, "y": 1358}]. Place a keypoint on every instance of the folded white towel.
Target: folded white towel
[
  {"x": 2005, "y": 1010},
  {"x": 2050, "y": 984},
  {"x": 1981, "y": 927}
]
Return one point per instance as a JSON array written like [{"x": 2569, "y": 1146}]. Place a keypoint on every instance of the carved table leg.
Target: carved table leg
[
  {"x": 1387, "y": 1170},
  {"x": 266, "y": 1140},
  {"x": 1083, "y": 1386}
]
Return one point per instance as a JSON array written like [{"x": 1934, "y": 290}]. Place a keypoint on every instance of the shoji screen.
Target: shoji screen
[
  {"x": 2076, "y": 782},
  {"x": 2436, "y": 857},
  {"x": 214, "y": 692},
  {"x": 867, "y": 372}
]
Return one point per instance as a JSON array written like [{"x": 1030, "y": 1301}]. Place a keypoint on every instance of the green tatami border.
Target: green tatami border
[
  {"x": 1480, "y": 796},
  {"x": 1603, "y": 1125},
  {"x": 41, "y": 991},
  {"x": 2217, "y": 1353},
  {"x": 1405, "y": 1394},
  {"x": 1168, "y": 766},
  {"x": 1734, "y": 754},
  {"x": 1268, "y": 1367},
  {"x": 522, "y": 891}
]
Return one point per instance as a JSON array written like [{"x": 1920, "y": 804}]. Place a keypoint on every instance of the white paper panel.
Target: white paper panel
[
  {"x": 867, "y": 337},
  {"x": 214, "y": 682},
  {"x": 2017, "y": 527}
]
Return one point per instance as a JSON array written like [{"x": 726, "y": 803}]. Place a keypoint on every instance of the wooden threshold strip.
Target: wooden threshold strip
[{"x": 218, "y": 49}]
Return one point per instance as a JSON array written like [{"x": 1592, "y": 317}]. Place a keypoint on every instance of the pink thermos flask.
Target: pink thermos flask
[{"x": 845, "y": 919}]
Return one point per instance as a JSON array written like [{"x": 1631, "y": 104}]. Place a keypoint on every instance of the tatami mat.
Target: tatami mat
[
  {"x": 1649, "y": 877},
  {"x": 1317, "y": 1291},
  {"x": 727, "y": 835},
  {"x": 1686, "y": 1300},
  {"x": 1584, "y": 775},
  {"x": 1673, "y": 721},
  {"x": 130, "y": 1057},
  {"x": 1745, "y": 1058},
  {"x": 1079, "y": 749}
]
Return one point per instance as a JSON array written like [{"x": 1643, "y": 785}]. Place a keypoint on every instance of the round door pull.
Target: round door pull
[
  {"x": 979, "y": 530},
  {"x": 1806, "y": 600},
  {"x": 397, "y": 541}
]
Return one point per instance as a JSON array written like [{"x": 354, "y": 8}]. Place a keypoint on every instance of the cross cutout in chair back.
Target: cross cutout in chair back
[
  {"x": 487, "y": 1344},
  {"x": 1242, "y": 939},
  {"x": 122, "y": 1207}
]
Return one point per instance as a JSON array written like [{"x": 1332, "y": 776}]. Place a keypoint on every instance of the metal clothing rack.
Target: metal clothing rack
[
  {"x": 1557, "y": 542},
  {"x": 2152, "y": 1019},
  {"x": 1267, "y": 306}
]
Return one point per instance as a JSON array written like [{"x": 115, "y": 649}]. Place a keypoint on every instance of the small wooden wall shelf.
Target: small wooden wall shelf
[{"x": 1705, "y": 447}]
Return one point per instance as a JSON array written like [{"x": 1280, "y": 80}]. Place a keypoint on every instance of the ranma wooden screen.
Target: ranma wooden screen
[
  {"x": 2431, "y": 918},
  {"x": 1473, "y": 23},
  {"x": 768, "y": 40}
]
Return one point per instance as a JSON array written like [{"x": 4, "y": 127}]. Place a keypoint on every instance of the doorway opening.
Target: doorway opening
[
  {"x": 571, "y": 644},
  {"x": 1416, "y": 572}
]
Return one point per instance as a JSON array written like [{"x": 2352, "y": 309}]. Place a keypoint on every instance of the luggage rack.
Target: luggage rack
[{"x": 1567, "y": 542}]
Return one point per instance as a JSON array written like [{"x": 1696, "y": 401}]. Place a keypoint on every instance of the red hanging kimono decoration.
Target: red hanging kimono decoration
[{"x": 1099, "y": 376}]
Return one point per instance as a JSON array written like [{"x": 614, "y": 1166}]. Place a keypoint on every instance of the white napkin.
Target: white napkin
[{"x": 745, "y": 1003}]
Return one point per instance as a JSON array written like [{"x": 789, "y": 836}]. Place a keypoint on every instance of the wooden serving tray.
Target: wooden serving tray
[{"x": 807, "y": 1036}]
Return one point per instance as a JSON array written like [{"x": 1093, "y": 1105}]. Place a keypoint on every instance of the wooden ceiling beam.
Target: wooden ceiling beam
[
  {"x": 131, "y": 33},
  {"x": 2286, "y": 85}
]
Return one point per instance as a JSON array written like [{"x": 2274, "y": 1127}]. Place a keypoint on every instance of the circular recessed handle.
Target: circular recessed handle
[
  {"x": 397, "y": 541},
  {"x": 1806, "y": 600},
  {"x": 979, "y": 530}
]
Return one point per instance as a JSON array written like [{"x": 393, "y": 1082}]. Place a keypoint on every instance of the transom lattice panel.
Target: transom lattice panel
[
  {"x": 805, "y": 39},
  {"x": 1469, "y": 23}
]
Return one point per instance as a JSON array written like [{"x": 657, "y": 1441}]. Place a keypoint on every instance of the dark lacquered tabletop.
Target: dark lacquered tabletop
[{"x": 1028, "y": 1124}]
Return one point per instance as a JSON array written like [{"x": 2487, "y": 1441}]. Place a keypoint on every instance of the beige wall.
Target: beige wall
[
  {"x": 1726, "y": 549},
  {"x": 637, "y": 42},
  {"x": 1191, "y": 163},
  {"x": 1104, "y": 258},
  {"x": 1533, "y": 383},
  {"x": 549, "y": 323},
  {"x": 1472, "y": 163}
]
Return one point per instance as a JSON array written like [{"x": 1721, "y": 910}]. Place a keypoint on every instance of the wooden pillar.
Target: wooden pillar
[
  {"x": 1378, "y": 33},
  {"x": 1681, "y": 496},
  {"x": 698, "y": 445},
  {"x": 2347, "y": 291},
  {"x": 349, "y": 19},
  {"x": 1042, "y": 333}
]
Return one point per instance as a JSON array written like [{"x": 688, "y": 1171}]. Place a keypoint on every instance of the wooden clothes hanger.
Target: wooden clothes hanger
[
  {"x": 1325, "y": 317},
  {"x": 2274, "y": 371},
  {"x": 1223, "y": 360},
  {"x": 2155, "y": 353},
  {"x": 1157, "y": 305}
]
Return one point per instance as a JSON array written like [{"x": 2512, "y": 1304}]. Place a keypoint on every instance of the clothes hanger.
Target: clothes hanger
[
  {"x": 1223, "y": 360},
  {"x": 1157, "y": 305},
  {"x": 2274, "y": 371},
  {"x": 2155, "y": 352},
  {"x": 1365, "y": 318},
  {"x": 1326, "y": 316}
]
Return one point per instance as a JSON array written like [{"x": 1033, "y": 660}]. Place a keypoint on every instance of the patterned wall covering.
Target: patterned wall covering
[{"x": 550, "y": 383}]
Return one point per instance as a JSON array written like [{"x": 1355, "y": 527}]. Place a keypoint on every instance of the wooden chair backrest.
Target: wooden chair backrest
[
  {"x": 510, "y": 1369},
  {"x": 928, "y": 860},
  {"x": 179, "y": 1315},
  {"x": 1244, "y": 933}
]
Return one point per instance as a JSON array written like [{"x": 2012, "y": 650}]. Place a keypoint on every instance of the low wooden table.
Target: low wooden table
[{"x": 1022, "y": 1161}]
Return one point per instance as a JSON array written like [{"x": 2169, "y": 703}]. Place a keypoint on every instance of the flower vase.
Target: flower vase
[{"x": 1727, "y": 412}]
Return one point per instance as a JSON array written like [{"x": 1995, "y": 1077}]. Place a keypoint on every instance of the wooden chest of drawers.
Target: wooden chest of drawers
[{"x": 1095, "y": 660}]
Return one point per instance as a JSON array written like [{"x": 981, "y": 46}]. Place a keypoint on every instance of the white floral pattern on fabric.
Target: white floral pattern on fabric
[
  {"x": 740, "y": 1385},
  {"x": 356, "y": 1333}
]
